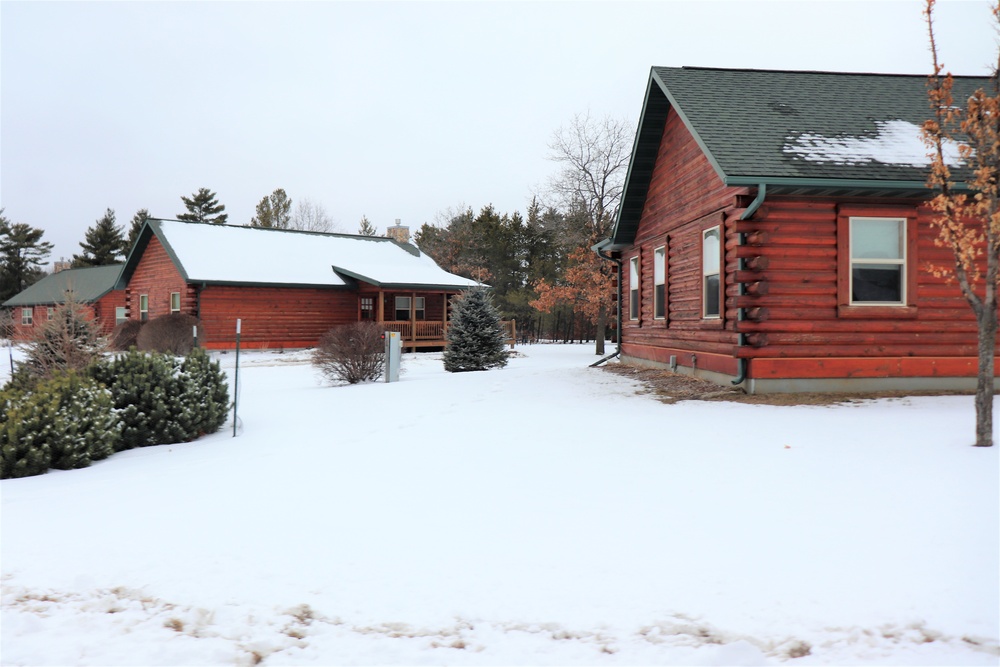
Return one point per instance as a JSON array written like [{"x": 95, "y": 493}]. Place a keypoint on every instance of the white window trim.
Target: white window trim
[
  {"x": 705, "y": 274},
  {"x": 660, "y": 278},
  {"x": 121, "y": 315},
  {"x": 868, "y": 260},
  {"x": 143, "y": 307},
  {"x": 633, "y": 288},
  {"x": 178, "y": 297},
  {"x": 27, "y": 317}
]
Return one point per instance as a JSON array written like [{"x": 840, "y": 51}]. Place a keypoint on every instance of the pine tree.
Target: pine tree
[
  {"x": 202, "y": 206},
  {"x": 366, "y": 228},
  {"x": 138, "y": 220},
  {"x": 103, "y": 243},
  {"x": 22, "y": 253},
  {"x": 273, "y": 211},
  {"x": 475, "y": 334}
]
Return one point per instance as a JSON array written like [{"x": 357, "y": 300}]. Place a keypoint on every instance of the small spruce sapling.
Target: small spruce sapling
[{"x": 476, "y": 337}]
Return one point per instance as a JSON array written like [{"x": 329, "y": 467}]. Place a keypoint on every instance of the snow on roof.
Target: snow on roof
[
  {"x": 232, "y": 254},
  {"x": 898, "y": 142}
]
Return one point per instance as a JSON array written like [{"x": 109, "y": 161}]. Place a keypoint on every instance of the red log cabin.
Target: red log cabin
[
  {"x": 774, "y": 233},
  {"x": 92, "y": 287},
  {"x": 286, "y": 287}
]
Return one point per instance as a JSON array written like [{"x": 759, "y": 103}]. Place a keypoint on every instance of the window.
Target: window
[
  {"x": 175, "y": 302},
  {"x": 633, "y": 288},
  {"x": 710, "y": 263},
  {"x": 403, "y": 308},
  {"x": 368, "y": 308},
  {"x": 27, "y": 316},
  {"x": 49, "y": 312},
  {"x": 120, "y": 315},
  {"x": 659, "y": 283},
  {"x": 143, "y": 307},
  {"x": 878, "y": 261}
]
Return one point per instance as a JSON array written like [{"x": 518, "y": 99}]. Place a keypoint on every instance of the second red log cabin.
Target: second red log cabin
[
  {"x": 286, "y": 287},
  {"x": 774, "y": 232}
]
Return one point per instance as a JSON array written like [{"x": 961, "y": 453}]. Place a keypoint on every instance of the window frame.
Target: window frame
[
  {"x": 846, "y": 307},
  {"x": 28, "y": 317},
  {"x": 416, "y": 308},
  {"x": 121, "y": 315},
  {"x": 705, "y": 315},
  {"x": 173, "y": 308},
  {"x": 143, "y": 307},
  {"x": 366, "y": 306},
  {"x": 634, "y": 277},
  {"x": 660, "y": 283},
  {"x": 49, "y": 312}
]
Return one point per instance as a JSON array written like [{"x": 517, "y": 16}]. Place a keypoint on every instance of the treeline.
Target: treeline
[{"x": 513, "y": 254}]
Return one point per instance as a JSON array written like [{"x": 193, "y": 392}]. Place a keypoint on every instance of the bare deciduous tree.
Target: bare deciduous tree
[
  {"x": 312, "y": 217},
  {"x": 594, "y": 155},
  {"x": 968, "y": 223}
]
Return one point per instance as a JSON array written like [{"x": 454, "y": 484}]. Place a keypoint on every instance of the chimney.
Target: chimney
[
  {"x": 399, "y": 233},
  {"x": 61, "y": 265}
]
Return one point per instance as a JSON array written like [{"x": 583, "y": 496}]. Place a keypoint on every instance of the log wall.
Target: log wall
[{"x": 798, "y": 320}]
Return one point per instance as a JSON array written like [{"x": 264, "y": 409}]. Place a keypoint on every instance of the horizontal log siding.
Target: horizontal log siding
[
  {"x": 273, "y": 317},
  {"x": 156, "y": 276},
  {"x": 798, "y": 317},
  {"x": 796, "y": 325},
  {"x": 104, "y": 309},
  {"x": 685, "y": 196}
]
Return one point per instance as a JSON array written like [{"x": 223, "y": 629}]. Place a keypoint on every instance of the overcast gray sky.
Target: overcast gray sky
[{"x": 385, "y": 109}]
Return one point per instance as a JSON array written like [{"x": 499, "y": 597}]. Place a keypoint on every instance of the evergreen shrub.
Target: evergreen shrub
[
  {"x": 476, "y": 337},
  {"x": 146, "y": 392},
  {"x": 69, "y": 340},
  {"x": 162, "y": 399},
  {"x": 206, "y": 392},
  {"x": 66, "y": 421},
  {"x": 351, "y": 353}
]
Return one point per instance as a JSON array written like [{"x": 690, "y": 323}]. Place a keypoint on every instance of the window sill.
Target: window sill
[{"x": 877, "y": 312}]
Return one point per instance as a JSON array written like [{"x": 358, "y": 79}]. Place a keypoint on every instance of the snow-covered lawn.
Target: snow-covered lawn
[{"x": 545, "y": 513}]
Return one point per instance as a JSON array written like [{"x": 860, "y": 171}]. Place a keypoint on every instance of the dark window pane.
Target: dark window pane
[
  {"x": 658, "y": 295},
  {"x": 633, "y": 304},
  {"x": 877, "y": 283},
  {"x": 712, "y": 295}
]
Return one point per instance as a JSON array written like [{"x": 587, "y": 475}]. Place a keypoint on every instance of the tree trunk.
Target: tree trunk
[
  {"x": 984, "y": 382},
  {"x": 602, "y": 323}
]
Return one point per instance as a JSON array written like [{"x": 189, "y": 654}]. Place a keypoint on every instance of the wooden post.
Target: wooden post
[{"x": 381, "y": 307}]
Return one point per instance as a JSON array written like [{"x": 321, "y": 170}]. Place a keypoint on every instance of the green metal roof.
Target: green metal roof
[
  {"x": 87, "y": 285},
  {"x": 820, "y": 133}
]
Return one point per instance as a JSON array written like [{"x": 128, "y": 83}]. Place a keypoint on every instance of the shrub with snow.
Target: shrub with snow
[
  {"x": 69, "y": 340},
  {"x": 205, "y": 392},
  {"x": 65, "y": 422}
]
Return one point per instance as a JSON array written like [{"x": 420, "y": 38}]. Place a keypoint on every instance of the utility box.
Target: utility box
[{"x": 393, "y": 355}]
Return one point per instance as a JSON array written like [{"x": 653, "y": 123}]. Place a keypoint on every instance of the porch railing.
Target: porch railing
[{"x": 435, "y": 331}]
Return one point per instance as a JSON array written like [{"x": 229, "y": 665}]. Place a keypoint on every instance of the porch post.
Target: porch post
[
  {"x": 413, "y": 318},
  {"x": 381, "y": 306}
]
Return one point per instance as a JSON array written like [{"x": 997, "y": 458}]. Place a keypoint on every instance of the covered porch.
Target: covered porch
[{"x": 420, "y": 317}]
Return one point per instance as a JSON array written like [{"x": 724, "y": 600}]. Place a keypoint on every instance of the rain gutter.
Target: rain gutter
[{"x": 599, "y": 249}]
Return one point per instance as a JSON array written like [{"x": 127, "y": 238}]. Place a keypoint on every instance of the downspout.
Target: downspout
[
  {"x": 741, "y": 338},
  {"x": 618, "y": 318}
]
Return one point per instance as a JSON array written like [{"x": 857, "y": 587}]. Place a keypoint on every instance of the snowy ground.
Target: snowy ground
[{"x": 541, "y": 514}]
